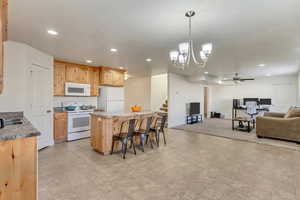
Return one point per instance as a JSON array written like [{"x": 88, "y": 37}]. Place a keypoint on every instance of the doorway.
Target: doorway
[
  {"x": 206, "y": 91},
  {"x": 39, "y": 103}
]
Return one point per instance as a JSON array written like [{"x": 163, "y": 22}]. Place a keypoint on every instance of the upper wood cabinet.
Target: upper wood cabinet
[
  {"x": 3, "y": 36},
  {"x": 111, "y": 77},
  {"x": 59, "y": 78},
  {"x": 77, "y": 73},
  {"x": 95, "y": 76},
  {"x": 118, "y": 78},
  {"x": 94, "y": 80}
]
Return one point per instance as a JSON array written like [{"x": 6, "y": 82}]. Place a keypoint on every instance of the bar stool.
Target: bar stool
[
  {"x": 158, "y": 128},
  {"x": 124, "y": 137},
  {"x": 144, "y": 133}
]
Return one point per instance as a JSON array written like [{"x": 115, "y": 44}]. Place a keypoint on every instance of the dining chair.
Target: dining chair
[
  {"x": 125, "y": 137},
  {"x": 144, "y": 133},
  {"x": 159, "y": 128}
]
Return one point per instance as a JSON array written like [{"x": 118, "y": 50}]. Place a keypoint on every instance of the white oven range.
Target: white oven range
[{"x": 79, "y": 124}]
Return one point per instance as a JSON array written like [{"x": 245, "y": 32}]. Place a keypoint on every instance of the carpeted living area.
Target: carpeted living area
[{"x": 222, "y": 128}]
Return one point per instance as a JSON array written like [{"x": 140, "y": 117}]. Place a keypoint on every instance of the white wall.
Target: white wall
[
  {"x": 138, "y": 92},
  {"x": 299, "y": 89},
  {"x": 18, "y": 58},
  {"x": 159, "y": 90},
  {"x": 180, "y": 93},
  {"x": 282, "y": 90},
  {"x": 13, "y": 97}
]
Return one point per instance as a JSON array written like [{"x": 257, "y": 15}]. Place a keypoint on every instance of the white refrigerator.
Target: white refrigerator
[{"x": 111, "y": 99}]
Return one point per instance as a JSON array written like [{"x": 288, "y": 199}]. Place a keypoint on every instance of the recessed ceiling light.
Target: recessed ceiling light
[
  {"x": 261, "y": 65},
  {"x": 88, "y": 61},
  {"x": 220, "y": 82},
  {"x": 269, "y": 75},
  {"x": 113, "y": 50},
  {"x": 52, "y": 32},
  {"x": 205, "y": 72},
  {"x": 148, "y": 59}
]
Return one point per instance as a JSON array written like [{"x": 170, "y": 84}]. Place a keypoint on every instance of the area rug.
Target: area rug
[{"x": 222, "y": 128}]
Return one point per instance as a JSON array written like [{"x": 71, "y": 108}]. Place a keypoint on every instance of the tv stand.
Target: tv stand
[{"x": 192, "y": 119}]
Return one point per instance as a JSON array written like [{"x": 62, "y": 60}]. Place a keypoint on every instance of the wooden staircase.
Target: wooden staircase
[{"x": 164, "y": 106}]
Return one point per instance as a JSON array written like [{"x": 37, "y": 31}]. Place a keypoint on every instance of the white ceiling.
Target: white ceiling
[{"x": 245, "y": 33}]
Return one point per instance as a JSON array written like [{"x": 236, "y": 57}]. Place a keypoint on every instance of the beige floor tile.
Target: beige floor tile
[{"x": 191, "y": 167}]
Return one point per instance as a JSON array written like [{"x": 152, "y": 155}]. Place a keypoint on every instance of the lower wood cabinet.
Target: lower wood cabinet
[
  {"x": 60, "y": 127},
  {"x": 18, "y": 169}
]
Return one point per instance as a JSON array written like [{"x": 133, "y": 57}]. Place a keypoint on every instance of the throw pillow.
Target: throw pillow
[{"x": 293, "y": 112}]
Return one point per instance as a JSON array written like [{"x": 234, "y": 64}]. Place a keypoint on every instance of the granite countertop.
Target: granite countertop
[
  {"x": 59, "y": 109},
  {"x": 128, "y": 114},
  {"x": 12, "y": 132}
]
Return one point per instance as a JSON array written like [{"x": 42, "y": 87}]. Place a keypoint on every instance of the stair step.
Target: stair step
[
  {"x": 164, "y": 109},
  {"x": 165, "y": 105}
]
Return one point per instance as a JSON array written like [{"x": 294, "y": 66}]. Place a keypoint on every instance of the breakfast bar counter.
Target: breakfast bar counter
[{"x": 105, "y": 125}]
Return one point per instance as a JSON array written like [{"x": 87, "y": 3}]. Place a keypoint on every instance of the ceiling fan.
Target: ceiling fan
[{"x": 237, "y": 79}]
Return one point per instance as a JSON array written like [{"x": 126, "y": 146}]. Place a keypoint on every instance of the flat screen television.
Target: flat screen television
[
  {"x": 194, "y": 108},
  {"x": 251, "y": 99},
  {"x": 265, "y": 101}
]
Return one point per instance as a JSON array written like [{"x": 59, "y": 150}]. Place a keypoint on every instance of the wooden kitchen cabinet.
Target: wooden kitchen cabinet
[
  {"x": 118, "y": 78},
  {"x": 4, "y": 18},
  {"x": 60, "y": 127},
  {"x": 111, "y": 77},
  {"x": 77, "y": 73},
  {"x": 106, "y": 76},
  {"x": 3, "y": 36},
  {"x": 95, "y": 76},
  {"x": 18, "y": 169},
  {"x": 94, "y": 80},
  {"x": 59, "y": 78}
]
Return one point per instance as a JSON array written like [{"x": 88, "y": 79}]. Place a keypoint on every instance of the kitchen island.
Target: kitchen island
[
  {"x": 105, "y": 125},
  {"x": 18, "y": 159}
]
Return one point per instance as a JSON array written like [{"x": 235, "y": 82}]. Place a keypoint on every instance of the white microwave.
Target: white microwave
[{"x": 77, "y": 89}]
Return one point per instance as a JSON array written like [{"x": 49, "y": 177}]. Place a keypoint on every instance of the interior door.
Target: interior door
[
  {"x": 205, "y": 102},
  {"x": 39, "y": 101}
]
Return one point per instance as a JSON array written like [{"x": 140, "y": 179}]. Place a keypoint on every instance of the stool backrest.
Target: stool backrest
[
  {"x": 148, "y": 124},
  {"x": 131, "y": 127},
  {"x": 163, "y": 123}
]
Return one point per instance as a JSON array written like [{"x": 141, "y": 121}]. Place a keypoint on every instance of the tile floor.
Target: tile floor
[{"x": 191, "y": 167}]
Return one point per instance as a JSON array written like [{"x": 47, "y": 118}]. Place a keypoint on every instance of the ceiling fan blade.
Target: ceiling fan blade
[
  {"x": 247, "y": 79},
  {"x": 227, "y": 80}
]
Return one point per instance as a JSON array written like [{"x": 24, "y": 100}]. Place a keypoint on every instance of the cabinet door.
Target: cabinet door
[
  {"x": 4, "y": 21},
  {"x": 94, "y": 80},
  {"x": 118, "y": 78},
  {"x": 59, "y": 78},
  {"x": 3, "y": 36},
  {"x": 76, "y": 73},
  {"x": 83, "y": 73},
  {"x": 60, "y": 127},
  {"x": 72, "y": 71},
  {"x": 106, "y": 77}
]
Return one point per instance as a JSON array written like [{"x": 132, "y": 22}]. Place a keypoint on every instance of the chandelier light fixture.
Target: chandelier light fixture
[{"x": 185, "y": 55}]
